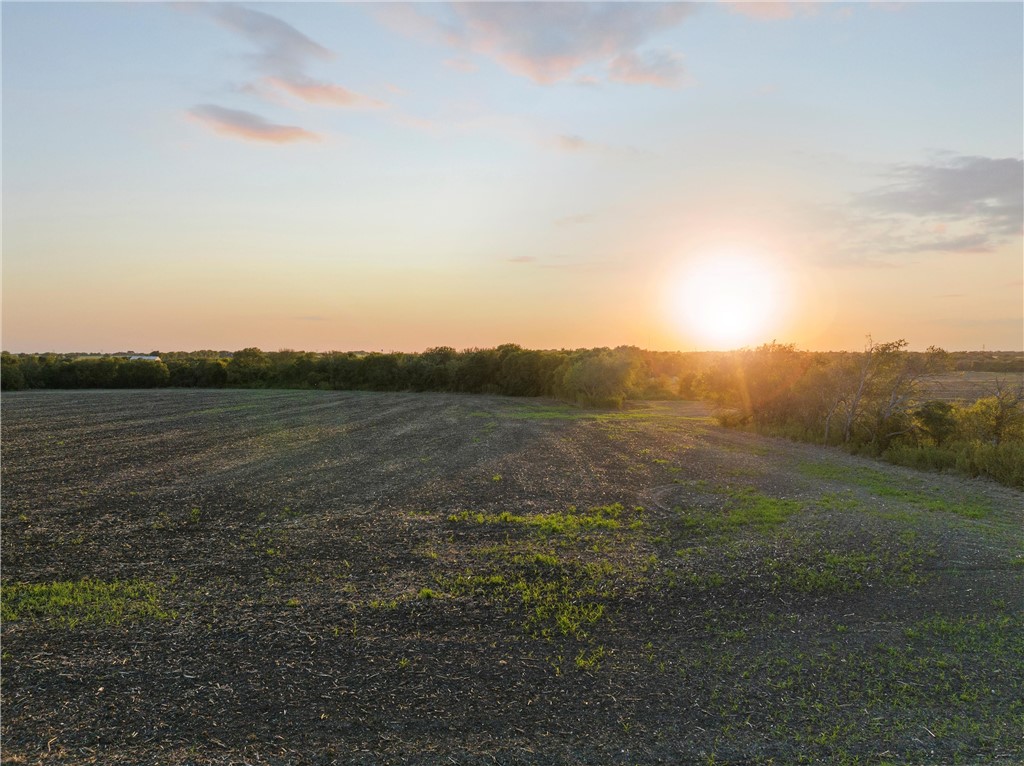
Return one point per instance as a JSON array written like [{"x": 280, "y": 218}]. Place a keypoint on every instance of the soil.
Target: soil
[{"x": 366, "y": 578}]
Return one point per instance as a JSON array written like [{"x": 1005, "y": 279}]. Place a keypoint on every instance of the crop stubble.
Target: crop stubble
[{"x": 390, "y": 578}]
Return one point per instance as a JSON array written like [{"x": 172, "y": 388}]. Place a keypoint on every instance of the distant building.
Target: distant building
[{"x": 144, "y": 358}]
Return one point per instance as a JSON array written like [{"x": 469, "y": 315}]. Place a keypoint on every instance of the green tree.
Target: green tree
[
  {"x": 12, "y": 377},
  {"x": 248, "y": 367},
  {"x": 938, "y": 420}
]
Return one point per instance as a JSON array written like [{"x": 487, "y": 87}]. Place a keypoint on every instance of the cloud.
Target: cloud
[
  {"x": 282, "y": 48},
  {"x": 316, "y": 92},
  {"x": 283, "y": 55},
  {"x": 248, "y": 126},
  {"x": 954, "y": 204},
  {"x": 986, "y": 192},
  {"x": 570, "y": 143},
  {"x": 658, "y": 67},
  {"x": 521, "y": 259},
  {"x": 549, "y": 42},
  {"x": 977, "y": 242}
]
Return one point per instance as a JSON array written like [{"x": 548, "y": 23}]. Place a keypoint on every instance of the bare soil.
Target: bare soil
[{"x": 372, "y": 578}]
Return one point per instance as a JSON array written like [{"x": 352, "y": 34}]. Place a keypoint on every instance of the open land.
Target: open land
[
  {"x": 291, "y": 577},
  {"x": 969, "y": 386}
]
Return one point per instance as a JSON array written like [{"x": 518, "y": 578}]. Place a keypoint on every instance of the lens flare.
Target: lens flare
[{"x": 727, "y": 299}]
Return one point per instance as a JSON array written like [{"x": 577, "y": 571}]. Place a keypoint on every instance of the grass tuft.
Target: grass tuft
[{"x": 82, "y": 602}]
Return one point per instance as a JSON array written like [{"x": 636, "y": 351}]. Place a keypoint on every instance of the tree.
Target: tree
[
  {"x": 938, "y": 420},
  {"x": 599, "y": 378},
  {"x": 248, "y": 367},
  {"x": 995, "y": 419},
  {"x": 12, "y": 378}
]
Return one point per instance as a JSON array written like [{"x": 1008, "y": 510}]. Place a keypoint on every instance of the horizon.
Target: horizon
[
  {"x": 708, "y": 177},
  {"x": 469, "y": 349}
]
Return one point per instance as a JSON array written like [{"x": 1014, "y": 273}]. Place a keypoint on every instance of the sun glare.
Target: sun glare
[{"x": 727, "y": 299}]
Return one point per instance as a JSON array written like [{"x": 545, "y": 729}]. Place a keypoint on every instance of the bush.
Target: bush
[
  {"x": 1002, "y": 462},
  {"x": 926, "y": 458}
]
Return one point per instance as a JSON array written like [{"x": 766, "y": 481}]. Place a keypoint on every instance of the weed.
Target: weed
[
  {"x": 87, "y": 601},
  {"x": 570, "y": 524},
  {"x": 745, "y": 507},
  {"x": 590, "y": 660}
]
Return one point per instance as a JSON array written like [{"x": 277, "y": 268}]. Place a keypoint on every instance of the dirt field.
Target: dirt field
[{"x": 222, "y": 577}]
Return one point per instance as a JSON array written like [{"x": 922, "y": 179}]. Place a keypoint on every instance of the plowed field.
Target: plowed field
[{"x": 221, "y": 577}]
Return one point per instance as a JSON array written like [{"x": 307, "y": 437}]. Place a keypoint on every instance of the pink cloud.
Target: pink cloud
[
  {"x": 316, "y": 92},
  {"x": 247, "y": 126},
  {"x": 546, "y": 42},
  {"x": 283, "y": 55},
  {"x": 570, "y": 143}
]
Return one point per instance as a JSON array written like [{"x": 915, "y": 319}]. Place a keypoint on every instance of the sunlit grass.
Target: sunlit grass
[
  {"x": 570, "y": 523},
  {"x": 884, "y": 486},
  {"x": 87, "y": 601}
]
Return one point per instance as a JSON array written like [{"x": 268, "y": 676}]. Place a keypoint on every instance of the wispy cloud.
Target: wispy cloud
[
  {"x": 983, "y": 190},
  {"x": 316, "y": 92},
  {"x": 283, "y": 56},
  {"x": 656, "y": 67},
  {"x": 978, "y": 242},
  {"x": 280, "y": 46},
  {"x": 248, "y": 126},
  {"x": 551, "y": 42},
  {"x": 955, "y": 204},
  {"x": 571, "y": 143},
  {"x": 521, "y": 259}
]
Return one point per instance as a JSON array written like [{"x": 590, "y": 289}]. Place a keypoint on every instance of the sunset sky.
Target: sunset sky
[{"x": 394, "y": 177}]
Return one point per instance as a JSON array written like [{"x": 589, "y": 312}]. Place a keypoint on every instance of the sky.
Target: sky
[{"x": 346, "y": 176}]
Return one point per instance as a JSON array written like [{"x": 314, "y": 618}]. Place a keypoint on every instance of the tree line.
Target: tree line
[
  {"x": 870, "y": 402},
  {"x": 601, "y": 377}
]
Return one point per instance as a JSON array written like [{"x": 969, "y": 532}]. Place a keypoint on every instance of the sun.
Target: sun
[{"x": 727, "y": 299}]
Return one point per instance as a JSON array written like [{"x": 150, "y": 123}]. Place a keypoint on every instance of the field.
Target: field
[
  {"x": 284, "y": 577},
  {"x": 969, "y": 386}
]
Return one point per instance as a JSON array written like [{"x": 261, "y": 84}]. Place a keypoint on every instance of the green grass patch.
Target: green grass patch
[
  {"x": 565, "y": 604},
  {"x": 87, "y": 601},
  {"x": 832, "y": 573},
  {"x": 546, "y": 413},
  {"x": 884, "y": 486},
  {"x": 745, "y": 507},
  {"x": 570, "y": 524}
]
